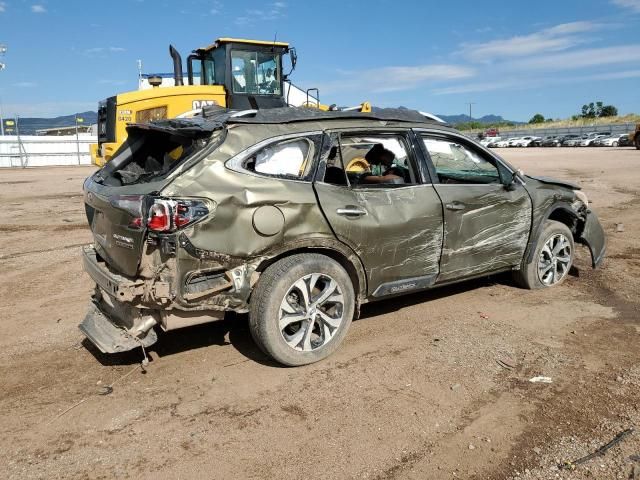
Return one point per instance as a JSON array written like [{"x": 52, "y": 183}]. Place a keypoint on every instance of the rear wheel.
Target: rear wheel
[
  {"x": 552, "y": 259},
  {"x": 301, "y": 308}
]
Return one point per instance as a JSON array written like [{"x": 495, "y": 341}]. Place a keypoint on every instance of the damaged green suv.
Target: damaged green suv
[{"x": 297, "y": 217}]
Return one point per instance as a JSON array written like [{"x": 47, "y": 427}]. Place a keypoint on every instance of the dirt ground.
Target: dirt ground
[{"x": 428, "y": 386}]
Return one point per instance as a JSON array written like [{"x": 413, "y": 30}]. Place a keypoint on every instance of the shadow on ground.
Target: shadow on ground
[{"x": 234, "y": 329}]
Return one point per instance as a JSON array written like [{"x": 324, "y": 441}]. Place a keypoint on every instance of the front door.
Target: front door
[
  {"x": 395, "y": 224},
  {"x": 486, "y": 223}
]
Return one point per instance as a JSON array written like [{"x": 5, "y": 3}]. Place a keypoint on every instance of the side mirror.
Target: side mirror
[
  {"x": 513, "y": 183},
  {"x": 293, "y": 56}
]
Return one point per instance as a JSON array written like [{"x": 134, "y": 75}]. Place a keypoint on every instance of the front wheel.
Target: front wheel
[
  {"x": 301, "y": 308},
  {"x": 552, "y": 259}
]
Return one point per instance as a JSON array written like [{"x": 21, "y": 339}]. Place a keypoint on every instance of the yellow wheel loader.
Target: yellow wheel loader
[{"x": 232, "y": 73}]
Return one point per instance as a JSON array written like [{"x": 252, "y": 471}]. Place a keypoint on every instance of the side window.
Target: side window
[
  {"x": 334, "y": 171},
  {"x": 376, "y": 160},
  {"x": 288, "y": 158},
  {"x": 457, "y": 164}
]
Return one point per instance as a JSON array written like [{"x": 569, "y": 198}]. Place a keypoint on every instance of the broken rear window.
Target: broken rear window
[{"x": 150, "y": 154}]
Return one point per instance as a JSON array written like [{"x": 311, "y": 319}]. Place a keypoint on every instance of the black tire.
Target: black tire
[
  {"x": 276, "y": 282},
  {"x": 528, "y": 277},
  {"x": 637, "y": 141}
]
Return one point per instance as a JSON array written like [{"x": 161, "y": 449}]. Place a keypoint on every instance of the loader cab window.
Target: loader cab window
[
  {"x": 255, "y": 73},
  {"x": 208, "y": 74},
  {"x": 210, "y": 67}
]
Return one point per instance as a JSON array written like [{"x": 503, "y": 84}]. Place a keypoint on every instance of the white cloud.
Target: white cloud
[
  {"x": 38, "y": 9},
  {"x": 591, "y": 57},
  {"x": 633, "y": 5},
  {"x": 25, "y": 84},
  {"x": 531, "y": 83},
  {"x": 3, "y": 7},
  {"x": 102, "y": 50},
  {"x": 398, "y": 78},
  {"x": 553, "y": 39},
  {"x": 274, "y": 11}
]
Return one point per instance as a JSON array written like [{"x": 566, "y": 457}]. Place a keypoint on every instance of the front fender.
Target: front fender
[{"x": 593, "y": 237}]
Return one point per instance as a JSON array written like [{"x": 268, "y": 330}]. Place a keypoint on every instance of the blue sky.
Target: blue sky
[{"x": 511, "y": 58}]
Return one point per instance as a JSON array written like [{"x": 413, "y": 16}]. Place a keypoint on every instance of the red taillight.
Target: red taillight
[
  {"x": 159, "y": 219},
  {"x": 167, "y": 215}
]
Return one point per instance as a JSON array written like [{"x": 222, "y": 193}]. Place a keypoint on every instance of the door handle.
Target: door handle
[
  {"x": 455, "y": 206},
  {"x": 351, "y": 211}
]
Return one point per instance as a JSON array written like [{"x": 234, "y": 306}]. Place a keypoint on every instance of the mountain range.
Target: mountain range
[{"x": 28, "y": 125}]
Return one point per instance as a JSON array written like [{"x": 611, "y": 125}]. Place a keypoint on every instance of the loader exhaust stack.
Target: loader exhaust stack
[{"x": 177, "y": 65}]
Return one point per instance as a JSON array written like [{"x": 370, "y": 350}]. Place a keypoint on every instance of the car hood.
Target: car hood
[{"x": 555, "y": 181}]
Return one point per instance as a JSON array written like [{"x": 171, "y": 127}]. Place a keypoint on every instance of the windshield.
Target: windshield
[{"x": 255, "y": 73}]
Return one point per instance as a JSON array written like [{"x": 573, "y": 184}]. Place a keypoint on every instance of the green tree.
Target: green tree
[
  {"x": 589, "y": 111},
  {"x": 537, "y": 118},
  {"x": 599, "y": 106},
  {"x": 609, "y": 111}
]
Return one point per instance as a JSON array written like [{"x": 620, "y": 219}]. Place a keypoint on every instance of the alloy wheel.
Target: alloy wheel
[
  {"x": 311, "y": 312},
  {"x": 555, "y": 259}
]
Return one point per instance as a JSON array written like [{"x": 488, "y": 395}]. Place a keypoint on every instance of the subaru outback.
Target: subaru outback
[{"x": 298, "y": 217}]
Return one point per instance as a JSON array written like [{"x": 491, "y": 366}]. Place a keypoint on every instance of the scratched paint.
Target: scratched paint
[{"x": 403, "y": 232}]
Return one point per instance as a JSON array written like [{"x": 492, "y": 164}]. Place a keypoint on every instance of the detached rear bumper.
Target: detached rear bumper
[
  {"x": 109, "y": 337},
  {"x": 110, "y": 324}
]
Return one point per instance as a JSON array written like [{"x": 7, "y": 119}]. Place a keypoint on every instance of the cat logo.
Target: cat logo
[{"x": 197, "y": 104}]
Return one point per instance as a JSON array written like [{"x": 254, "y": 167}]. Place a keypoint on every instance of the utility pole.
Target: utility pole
[
  {"x": 470, "y": 104},
  {"x": 78, "y": 120},
  {"x": 3, "y": 50}
]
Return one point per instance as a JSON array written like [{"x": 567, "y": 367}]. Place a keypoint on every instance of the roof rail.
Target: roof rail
[{"x": 432, "y": 117}]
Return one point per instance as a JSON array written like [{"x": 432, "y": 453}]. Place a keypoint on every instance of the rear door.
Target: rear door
[
  {"x": 396, "y": 229},
  {"x": 486, "y": 223}
]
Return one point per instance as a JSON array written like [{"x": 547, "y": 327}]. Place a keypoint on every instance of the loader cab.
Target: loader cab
[{"x": 250, "y": 71}]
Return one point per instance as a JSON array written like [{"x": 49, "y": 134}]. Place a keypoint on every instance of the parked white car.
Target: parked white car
[
  {"x": 526, "y": 141},
  {"x": 513, "y": 142},
  {"x": 612, "y": 141},
  {"x": 488, "y": 141},
  {"x": 587, "y": 142},
  {"x": 572, "y": 142},
  {"x": 502, "y": 143}
]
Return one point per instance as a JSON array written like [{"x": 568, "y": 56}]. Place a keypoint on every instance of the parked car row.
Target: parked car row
[{"x": 594, "y": 139}]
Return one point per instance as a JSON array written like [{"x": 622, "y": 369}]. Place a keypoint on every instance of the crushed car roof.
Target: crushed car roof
[
  {"x": 301, "y": 114},
  {"x": 215, "y": 118}
]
